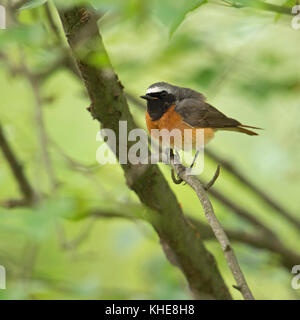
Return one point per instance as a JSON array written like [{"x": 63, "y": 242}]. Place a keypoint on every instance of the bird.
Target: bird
[{"x": 173, "y": 107}]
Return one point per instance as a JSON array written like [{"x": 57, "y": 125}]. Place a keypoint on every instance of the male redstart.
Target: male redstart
[{"x": 171, "y": 107}]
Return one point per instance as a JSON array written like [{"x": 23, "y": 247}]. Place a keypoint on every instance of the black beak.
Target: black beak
[{"x": 148, "y": 97}]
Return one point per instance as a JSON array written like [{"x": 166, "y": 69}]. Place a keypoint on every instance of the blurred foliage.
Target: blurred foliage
[
  {"x": 244, "y": 61},
  {"x": 32, "y": 4}
]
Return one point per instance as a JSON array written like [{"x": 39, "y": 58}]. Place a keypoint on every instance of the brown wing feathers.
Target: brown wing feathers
[{"x": 200, "y": 114}]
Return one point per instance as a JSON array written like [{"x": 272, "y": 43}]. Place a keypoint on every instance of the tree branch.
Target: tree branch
[
  {"x": 40, "y": 122},
  {"x": 17, "y": 170},
  {"x": 179, "y": 240},
  {"x": 216, "y": 227}
]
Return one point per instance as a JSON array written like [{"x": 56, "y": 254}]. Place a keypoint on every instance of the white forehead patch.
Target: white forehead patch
[{"x": 155, "y": 89}]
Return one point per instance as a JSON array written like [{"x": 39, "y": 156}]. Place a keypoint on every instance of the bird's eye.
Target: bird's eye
[{"x": 164, "y": 94}]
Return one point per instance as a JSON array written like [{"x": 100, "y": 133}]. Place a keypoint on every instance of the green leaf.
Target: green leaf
[
  {"x": 33, "y": 4},
  {"x": 189, "y": 6}
]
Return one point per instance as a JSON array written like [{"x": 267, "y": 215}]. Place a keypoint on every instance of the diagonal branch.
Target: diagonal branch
[
  {"x": 17, "y": 170},
  {"x": 217, "y": 228},
  {"x": 34, "y": 79},
  {"x": 40, "y": 121}
]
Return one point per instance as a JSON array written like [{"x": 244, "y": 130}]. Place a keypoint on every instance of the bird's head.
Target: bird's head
[{"x": 160, "y": 97}]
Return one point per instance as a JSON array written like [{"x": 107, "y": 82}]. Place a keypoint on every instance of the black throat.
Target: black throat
[
  {"x": 157, "y": 108},
  {"x": 159, "y": 103}
]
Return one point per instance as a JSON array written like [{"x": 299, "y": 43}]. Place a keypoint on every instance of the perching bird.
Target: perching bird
[{"x": 171, "y": 107}]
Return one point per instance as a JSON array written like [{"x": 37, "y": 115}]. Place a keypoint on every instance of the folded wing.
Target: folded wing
[{"x": 200, "y": 114}]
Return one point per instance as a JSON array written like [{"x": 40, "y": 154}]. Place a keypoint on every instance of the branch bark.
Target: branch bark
[
  {"x": 217, "y": 228},
  {"x": 109, "y": 106}
]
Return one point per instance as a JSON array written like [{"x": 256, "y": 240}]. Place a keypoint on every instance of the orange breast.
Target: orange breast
[{"x": 172, "y": 120}]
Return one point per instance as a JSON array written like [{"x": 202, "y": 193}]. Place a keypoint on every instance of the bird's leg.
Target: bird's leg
[
  {"x": 172, "y": 157},
  {"x": 175, "y": 180},
  {"x": 166, "y": 155},
  {"x": 194, "y": 160},
  {"x": 169, "y": 154},
  {"x": 177, "y": 154}
]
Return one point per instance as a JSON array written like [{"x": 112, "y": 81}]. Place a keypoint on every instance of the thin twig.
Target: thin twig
[
  {"x": 73, "y": 163},
  {"x": 51, "y": 21},
  {"x": 78, "y": 240},
  {"x": 216, "y": 227},
  {"x": 34, "y": 81},
  {"x": 17, "y": 171},
  {"x": 41, "y": 128},
  {"x": 213, "y": 180}
]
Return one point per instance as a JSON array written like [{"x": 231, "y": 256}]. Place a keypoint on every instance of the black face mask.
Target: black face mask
[{"x": 158, "y": 103}]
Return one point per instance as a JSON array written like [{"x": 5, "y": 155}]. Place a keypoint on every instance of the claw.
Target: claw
[{"x": 175, "y": 180}]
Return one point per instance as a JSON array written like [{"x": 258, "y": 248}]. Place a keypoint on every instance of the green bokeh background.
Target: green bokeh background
[{"x": 245, "y": 61}]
